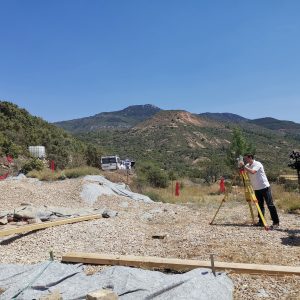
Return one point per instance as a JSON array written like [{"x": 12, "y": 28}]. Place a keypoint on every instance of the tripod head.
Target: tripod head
[{"x": 240, "y": 162}]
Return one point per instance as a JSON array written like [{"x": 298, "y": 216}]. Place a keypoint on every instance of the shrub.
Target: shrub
[
  {"x": 157, "y": 178},
  {"x": 83, "y": 171},
  {"x": 48, "y": 175},
  {"x": 154, "y": 196},
  {"x": 153, "y": 175},
  {"x": 44, "y": 175},
  {"x": 139, "y": 183},
  {"x": 273, "y": 176},
  {"x": 290, "y": 186},
  {"x": 33, "y": 164}
]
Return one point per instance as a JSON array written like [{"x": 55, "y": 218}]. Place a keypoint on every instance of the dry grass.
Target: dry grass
[
  {"x": 45, "y": 175},
  {"x": 48, "y": 175},
  {"x": 119, "y": 176},
  {"x": 191, "y": 193},
  {"x": 288, "y": 201},
  {"x": 202, "y": 194}
]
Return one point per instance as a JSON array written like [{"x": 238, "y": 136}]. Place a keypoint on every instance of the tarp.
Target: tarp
[
  {"x": 34, "y": 281},
  {"x": 96, "y": 185}
]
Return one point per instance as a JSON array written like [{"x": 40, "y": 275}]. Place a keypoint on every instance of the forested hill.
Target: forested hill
[
  {"x": 122, "y": 119},
  {"x": 182, "y": 142},
  {"x": 282, "y": 126},
  {"x": 279, "y": 125},
  {"x": 19, "y": 129},
  {"x": 133, "y": 115}
]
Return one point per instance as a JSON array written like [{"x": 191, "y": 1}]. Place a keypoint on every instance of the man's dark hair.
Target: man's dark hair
[{"x": 250, "y": 155}]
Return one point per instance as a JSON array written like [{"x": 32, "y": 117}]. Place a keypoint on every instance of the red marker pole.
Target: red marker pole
[
  {"x": 52, "y": 166},
  {"x": 177, "y": 189},
  {"x": 222, "y": 185}
]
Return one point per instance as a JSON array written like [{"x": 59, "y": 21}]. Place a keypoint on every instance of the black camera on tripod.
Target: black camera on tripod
[{"x": 295, "y": 160}]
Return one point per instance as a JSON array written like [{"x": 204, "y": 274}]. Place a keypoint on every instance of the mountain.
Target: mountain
[
  {"x": 286, "y": 127},
  {"x": 181, "y": 141},
  {"x": 122, "y": 119},
  {"x": 133, "y": 115},
  {"x": 224, "y": 117},
  {"x": 19, "y": 129},
  {"x": 279, "y": 125},
  {"x": 176, "y": 140}
]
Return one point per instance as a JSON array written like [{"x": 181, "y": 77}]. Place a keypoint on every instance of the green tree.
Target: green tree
[
  {"x": 93, "y": 155},
  {"x": 238, "y": 146},
  {"x": 152, "y": 174}
]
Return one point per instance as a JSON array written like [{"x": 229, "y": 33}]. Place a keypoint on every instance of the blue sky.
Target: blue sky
[{"x": 63, "y": 60}]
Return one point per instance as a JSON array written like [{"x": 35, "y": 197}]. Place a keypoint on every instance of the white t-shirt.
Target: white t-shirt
[{"x": 258, "y": 180}]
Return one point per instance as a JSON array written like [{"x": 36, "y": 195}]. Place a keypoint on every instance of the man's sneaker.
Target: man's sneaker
[{"x": 274, "y": 226}]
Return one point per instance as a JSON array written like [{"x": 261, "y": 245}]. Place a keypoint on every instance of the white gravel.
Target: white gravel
[{"x": 187, "y": 230}]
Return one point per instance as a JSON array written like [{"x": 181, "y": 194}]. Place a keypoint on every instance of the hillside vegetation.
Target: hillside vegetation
[
  {"x": 178, "y": 142},
  {"x": 19, "y": 129},
  {"x": 122, "y": 119},
  {"x": 185, "y": 143},
  {"x": 274, "y": 124}
]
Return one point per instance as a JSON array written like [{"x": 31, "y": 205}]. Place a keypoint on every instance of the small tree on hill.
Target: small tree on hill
[
  {"x": 152, "y": 174},
  {"x": 239, "y": 146}
]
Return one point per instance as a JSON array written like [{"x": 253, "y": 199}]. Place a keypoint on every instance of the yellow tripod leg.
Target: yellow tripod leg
[
  {"x": 251, "y": 212},
  {"x": 223, "y": 200},
  {"x": 250, "y": 195},
  {"x": 248, "y": 199},
  {"x": 253, "y": 198}
]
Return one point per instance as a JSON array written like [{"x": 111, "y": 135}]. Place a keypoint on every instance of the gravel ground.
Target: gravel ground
[{"x": 186, "y": 229}]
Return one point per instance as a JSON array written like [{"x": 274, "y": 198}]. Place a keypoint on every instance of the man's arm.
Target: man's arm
[{"x": 249, "y": 170}]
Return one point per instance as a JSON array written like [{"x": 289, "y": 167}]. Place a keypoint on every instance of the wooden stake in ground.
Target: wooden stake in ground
[{"x": 176, "y": 264}]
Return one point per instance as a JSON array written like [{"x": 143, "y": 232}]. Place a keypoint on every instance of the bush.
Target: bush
[
  {"x": 154, "y": 196},
  {"x": 33, "y": 164},
  {"x": 48, "y": 175},
  {"x": 273, "y": 176},
  {"x": 139, "y": 183},
  {"x": 290, "y": 186},
  {"x": 44, "y": 175},
  {"x": 157, "y": 178},
  {"x": 153, "y": 175},
  {"x": 83, "y": 171}
]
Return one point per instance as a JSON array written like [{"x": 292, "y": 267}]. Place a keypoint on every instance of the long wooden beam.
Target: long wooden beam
[
  {"x": 176, "y": 264},
  {"x": 32, "y": 227}
]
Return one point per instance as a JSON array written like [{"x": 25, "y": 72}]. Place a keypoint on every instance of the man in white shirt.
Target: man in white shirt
[{"x": 261, "y": 188}]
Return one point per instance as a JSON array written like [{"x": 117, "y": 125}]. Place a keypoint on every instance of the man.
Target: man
[{"x": 261, "y": 188}]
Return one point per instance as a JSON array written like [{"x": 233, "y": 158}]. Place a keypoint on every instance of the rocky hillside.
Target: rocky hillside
[{"x": 181, "y": 141}]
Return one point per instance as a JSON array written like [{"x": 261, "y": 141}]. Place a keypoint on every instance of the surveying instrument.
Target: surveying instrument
[
  {"x": 249, "y": 196},
  {"x": 295, "y": 164}
]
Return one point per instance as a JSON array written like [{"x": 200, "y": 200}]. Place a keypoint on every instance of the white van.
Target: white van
[{"x": 111, "y": 162}]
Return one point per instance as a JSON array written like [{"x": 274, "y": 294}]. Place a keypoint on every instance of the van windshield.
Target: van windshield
[{"x": 108, "y": 160}]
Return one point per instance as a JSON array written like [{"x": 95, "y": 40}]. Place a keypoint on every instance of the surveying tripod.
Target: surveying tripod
[{"x": 250, "y": 197}]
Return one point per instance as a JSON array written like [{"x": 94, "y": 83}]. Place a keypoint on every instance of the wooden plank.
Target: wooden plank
[
  {"x": 43, "y": 225},
  {"x": 176, "y": 264}
]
